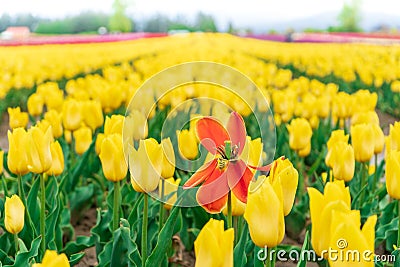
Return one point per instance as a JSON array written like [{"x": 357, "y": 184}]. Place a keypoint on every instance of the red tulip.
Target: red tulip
[{"x": 226, "y": 172}]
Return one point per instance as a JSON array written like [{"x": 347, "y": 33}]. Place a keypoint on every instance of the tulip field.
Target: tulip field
[{"x": 200, "y": 150}]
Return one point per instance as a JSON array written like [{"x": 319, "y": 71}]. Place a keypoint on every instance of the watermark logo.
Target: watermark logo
[{"x": 342, "y": 254}]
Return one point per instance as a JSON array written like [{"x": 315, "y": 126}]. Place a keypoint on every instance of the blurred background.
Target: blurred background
[{"x": 251, "y": 17}]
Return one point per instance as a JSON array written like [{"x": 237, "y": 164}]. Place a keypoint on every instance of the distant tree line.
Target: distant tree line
[{"x": 90, "y": 22}]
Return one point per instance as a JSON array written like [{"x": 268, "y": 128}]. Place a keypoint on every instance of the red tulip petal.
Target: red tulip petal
[
  {"x": 213, "y": 194},
  {"x": 237, "y": 131},
  {"x": 211, "y": 134},
  {"x": 201, "y": 174},
  {"x": 265, "y": 168},
  {"x": 239, "y": 177}
]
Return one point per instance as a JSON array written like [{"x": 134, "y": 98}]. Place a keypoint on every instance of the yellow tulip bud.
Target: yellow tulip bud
[
  {"x": 300, "y": 134},
  {"x": 238, "y": 207},
  {"x": 55, "y": 100},
  {"x": 214, "y": 246},
  {"x": 17, "y": 159},
  {"x": 336, "y": 197},
  {"x": 71, "y": 114},
  {"x": 342, "y": 105},
  {"x": 54, "y": 118},
  {"x": 68, "y": 136},
  {"x": 14, "y": 211},
  {"x": 99, "y": 142},
  {"x": 93, "y": 114},
  {"x": 83, "y": 139},
  {"x": 265, "y": 212},
  {"x": 379, "y": 138},
  {"x": 17, "y": 118},
  {"x": 145, "y": 165},
  {"x": 168, "y": 167},
  {"x": 252, "y": 152},
  {"x": 170, "y": 188},
  {"x": 337, "y": 136},
  {"x": 283, "y": 170},
  {"x": 323, "y": 106},
  {"x": 305, "y": 151},
  {"x": 314, "y": 122},
  {"x": 342, "y": 161},
  {"x": 362, "y": 138},
  {"x": 114, "y": 124},
  {"x": 347, "y": 237},
  {"x": 39, "y": 153},
  {"x": 366, "y": 101},
  {"x": 52, "y": 259},
  {"x": 35, "y": 104},
  {"x": 393, "y": 174},
  {"x": 365, "y": 117},
  {"x": 393, "y": 139},
  {"x": 135, "y": 127},
  {"x": 187, "y": 143},
  {"x": 57, "y": 164},
  {"x": 112, "y": 158}
]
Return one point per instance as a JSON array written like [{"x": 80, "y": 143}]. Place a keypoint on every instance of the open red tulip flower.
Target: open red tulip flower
[{"x": 226, "y": 172}]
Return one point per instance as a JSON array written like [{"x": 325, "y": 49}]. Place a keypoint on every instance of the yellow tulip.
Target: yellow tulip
[
  {"x": 35, "y": 104},
  {"x": 362, "y": 138},
  {"x": 114, "y": 124},
  {"x": 379, "y": 138},
  {"x": 342, "y": 161},
  {"x": 17, "y": 118},
  {"x": 300, "y": 133},
  {"x": 99, "y": 141},
  {"x": 342, "y": 105},
  {"x": 305, "y": 151},
  {"x": 168, "y": 168},
  {"x": 336, "y": 137},
  {"x": 145, "y": 165},
  {"x": 393, "y": 174},
  {"x": 214, "y": 246},
  {"x": 93, "y": 114},
  {"x": 366, "y": 101},
  {"x": 68, "y": 136},
  {"x": 170, "y": 188},
  {"x": 346, "y": 237},
  {"x": 1, "y": 161},
  {"x": 323, "y": 106},
  {"x": 14, "y": 211},
  {"x": 57, "y": 164},
  {"x": 54, "y": 100},
  {"x": 265, "y": 212},
  {"x": 72, "y": 114},
  {"x": 112, "y": 158},
  {"x": 393, "y": 139},
  {"x": 54, "y": 118},
  {"x": 52, "y": 259},
  {"x": 83, "y": 139},
  {"x": 365, "y": 117},
  {"x": 38, "y": 150},
  {"x": 282, "y": 170},
  {"x": 238, "y": 207},
  {"x": 252, "y": 152},
  {"x": 336, "y": 197},
  {"x": 17, "y": 160},
  {"x": 187, "y": 143},
  {"x": 135, "y": 127}
]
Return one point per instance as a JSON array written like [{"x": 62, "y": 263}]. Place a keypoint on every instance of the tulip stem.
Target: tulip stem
[
  {"x": 16, "y": 243},
  {"x": 144, "y": 229},
  {"x": 375, "y": 186},
  {"x": 116, "y": 205},
  {"x": 269, "y": 261},
  {"x": 43, "y": 211},
  {"x": 161, "y": 214},
  {"x": 398, "y": 234},
  {"x": 364, "y": 175},
  {"x": 230, "y": 209}
]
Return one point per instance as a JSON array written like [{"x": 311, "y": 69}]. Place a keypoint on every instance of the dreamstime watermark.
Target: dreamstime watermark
[{"x": 341, "y": 254}]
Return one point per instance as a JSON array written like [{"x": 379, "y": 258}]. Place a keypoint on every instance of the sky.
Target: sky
[{"x": 223, "y": 10}]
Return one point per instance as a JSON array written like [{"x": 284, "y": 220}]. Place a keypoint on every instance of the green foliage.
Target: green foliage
[
  {"x": 350, "y": 17},
  {"x": 119, "y": 22}
]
